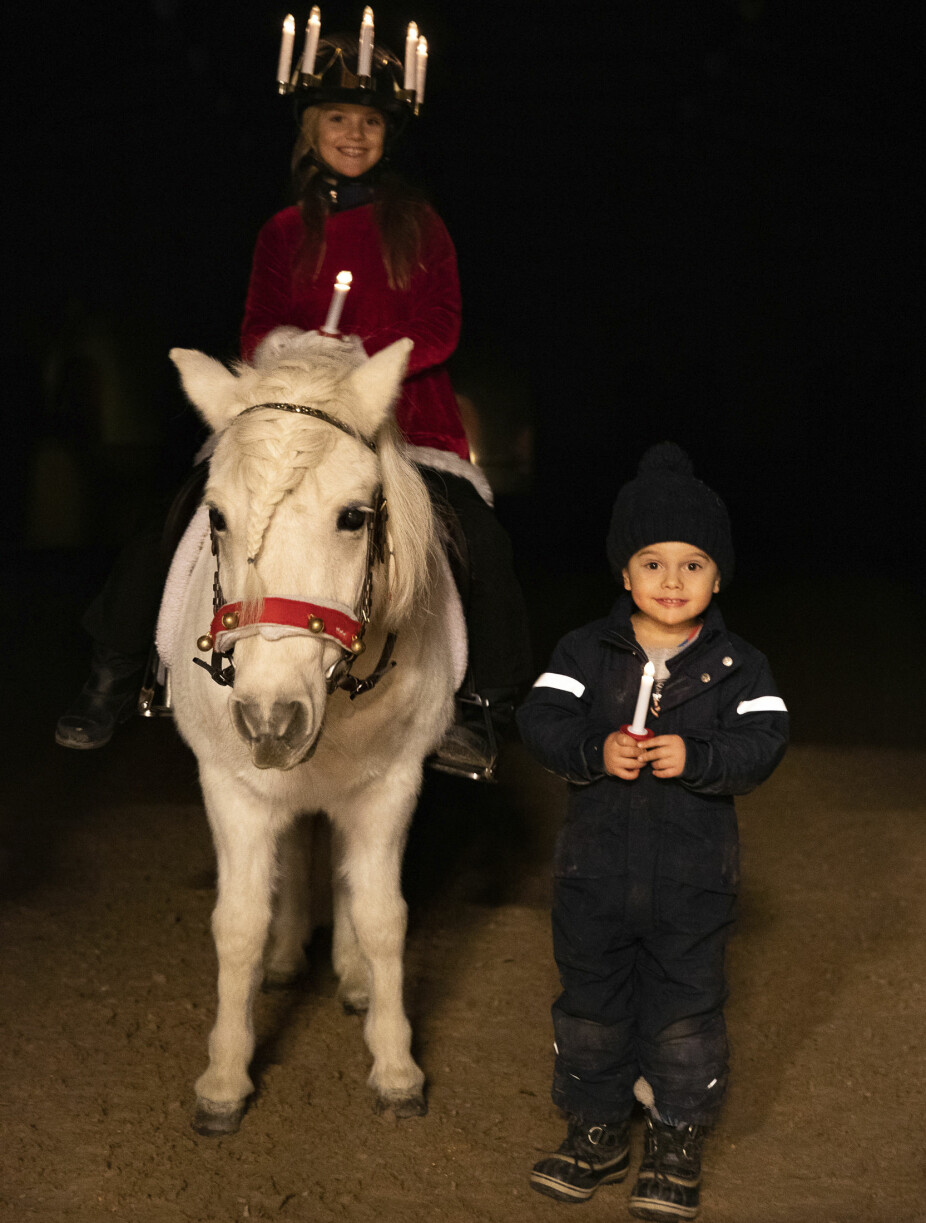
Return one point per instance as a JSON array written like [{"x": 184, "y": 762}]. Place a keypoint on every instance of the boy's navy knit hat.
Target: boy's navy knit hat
[{"x": 665, "y": 502}]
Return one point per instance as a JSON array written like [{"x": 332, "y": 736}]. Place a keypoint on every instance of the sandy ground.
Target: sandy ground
[{"x": 107, "y": 988}]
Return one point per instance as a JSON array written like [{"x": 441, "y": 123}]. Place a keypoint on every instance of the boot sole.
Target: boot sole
[
  {"x": 661, "y": 1212},
  {"x": 553, "y": 1188},
  {"x": 80, "y": 745}
]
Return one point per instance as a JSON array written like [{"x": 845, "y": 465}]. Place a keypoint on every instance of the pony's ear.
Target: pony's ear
[
  {"x": 376, "y": 382},
  {"x": 209, "y": 386}
]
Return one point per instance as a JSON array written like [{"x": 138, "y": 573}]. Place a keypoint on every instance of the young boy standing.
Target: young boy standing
[{"x": 647, "y": 863}]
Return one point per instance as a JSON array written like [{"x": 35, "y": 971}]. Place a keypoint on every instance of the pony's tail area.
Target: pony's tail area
[{"x": 412, "y": 527}]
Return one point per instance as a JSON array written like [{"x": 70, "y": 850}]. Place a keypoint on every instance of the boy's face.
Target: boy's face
[{"x": 671, "y": 583}]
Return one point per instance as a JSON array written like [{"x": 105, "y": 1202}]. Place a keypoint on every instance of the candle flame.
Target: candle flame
[
  {"x": 289, "y": 24},
  {"x": 344, "y": 278},
  {"x": 423, "y": 46},
  {"x": 367, "y": 16},
  {"x": 412, "y": 30},
  {"x": 649, "y": 670},
  {"x": 315, "y": 17}
]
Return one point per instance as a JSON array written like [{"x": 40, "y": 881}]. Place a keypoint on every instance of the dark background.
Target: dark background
[{"x": 686, "y": 219}]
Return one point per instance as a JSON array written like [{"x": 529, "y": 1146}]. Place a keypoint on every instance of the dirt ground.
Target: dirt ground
[{"x": 107, "y": 989}]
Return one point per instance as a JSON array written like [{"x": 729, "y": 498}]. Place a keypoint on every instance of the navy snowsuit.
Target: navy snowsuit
[{"x": 646, "y": 871}]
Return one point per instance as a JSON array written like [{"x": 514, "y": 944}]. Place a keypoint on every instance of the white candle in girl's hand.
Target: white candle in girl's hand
[
  {"x": 421, "y": 69},
  {"x": 638, "y": 725},
  {"x": 311, "y": 41},
  {"x": 365, "y": 54},
  {"x": 411, "y": 48},
  {"x": 341, "y": 290},
  {"x": 286, "y": 50}
]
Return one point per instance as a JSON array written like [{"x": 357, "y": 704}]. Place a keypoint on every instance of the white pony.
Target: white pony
[{"x": 306, "y": 449}]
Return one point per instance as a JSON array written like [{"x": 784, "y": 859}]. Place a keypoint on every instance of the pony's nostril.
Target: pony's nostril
[
  {"x": 289, "y": 720},
  {"x": 284, "y": 720}
]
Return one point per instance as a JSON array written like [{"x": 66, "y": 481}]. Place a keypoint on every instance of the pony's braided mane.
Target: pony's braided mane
[{"x": 273, "y": 450}]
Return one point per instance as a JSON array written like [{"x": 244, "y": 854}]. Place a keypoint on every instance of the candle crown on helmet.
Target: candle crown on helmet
[
  {"x": 343, "y": 69},
  {"x": 337, "y": 81}
]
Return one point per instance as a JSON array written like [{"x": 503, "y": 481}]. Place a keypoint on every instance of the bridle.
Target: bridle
[{"x": 315, "y": 619}]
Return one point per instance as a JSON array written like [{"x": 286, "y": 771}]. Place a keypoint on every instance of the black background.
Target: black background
[{"x": 686, "y": 219}]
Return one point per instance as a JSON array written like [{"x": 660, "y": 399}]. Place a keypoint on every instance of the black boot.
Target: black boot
[
  {"x": 107, "y": 698},
  {"x": 592, "y": 1155},
  {"x": 471, "y": 746},
  {"x": 668, "y": 1185}
]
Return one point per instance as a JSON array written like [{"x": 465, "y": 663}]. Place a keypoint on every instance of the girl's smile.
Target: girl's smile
[{"x": 351, "y": 138}]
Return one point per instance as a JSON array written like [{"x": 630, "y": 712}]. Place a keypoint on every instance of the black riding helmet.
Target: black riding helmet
[{"x": 335, "y": 80}]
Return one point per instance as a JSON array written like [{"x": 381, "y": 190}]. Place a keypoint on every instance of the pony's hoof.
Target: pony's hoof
[
  {"x": 214, "y": 1122},
  {"x": 402, "y": 1106}
]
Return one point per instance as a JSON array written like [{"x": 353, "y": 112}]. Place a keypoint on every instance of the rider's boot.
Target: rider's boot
[
  {"x": 470, "y": 748},
  {"x": 107, "y": 698}
]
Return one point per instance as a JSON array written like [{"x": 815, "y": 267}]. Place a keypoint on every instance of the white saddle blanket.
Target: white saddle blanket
[{"x": 173, "y": 650}]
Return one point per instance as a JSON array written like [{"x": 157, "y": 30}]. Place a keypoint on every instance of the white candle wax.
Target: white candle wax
[
  {"x": 411, "y": 47},
  {"x": 310, "y": 50},
  {"x": 286, "y": 50},
  {"x": 638, "y": 725},
  {"x": 365, "y": 54},
  {"x": 341, "y": 290},
  {"x": 421, "y": 70}
]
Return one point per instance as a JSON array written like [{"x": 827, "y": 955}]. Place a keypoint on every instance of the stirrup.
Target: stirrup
[
  {"x": 471, "y": 770},
  {"x": 154, "y": 699}
]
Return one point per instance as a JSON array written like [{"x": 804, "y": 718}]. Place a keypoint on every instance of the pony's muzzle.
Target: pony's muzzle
[{"x": 278, "y": 735}]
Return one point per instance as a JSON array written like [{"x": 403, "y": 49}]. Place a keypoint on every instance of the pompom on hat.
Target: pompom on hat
[{"x": 665, "y": 501}]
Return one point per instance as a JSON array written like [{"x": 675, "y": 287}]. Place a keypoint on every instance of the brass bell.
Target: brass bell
[
  {"x": 316, "y": 625},
  {"x": 230, "y": 620},
  {"x": 205, "y": 642},
  {"x": 357, "y": 646}
]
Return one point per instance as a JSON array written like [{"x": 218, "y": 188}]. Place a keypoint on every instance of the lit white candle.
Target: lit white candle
[
  {"x": 310, "y": 50},
  {"x": 421, "y": 69},
  {"x": 286, "y": 51},
  {"x": 411, "y": 47},
  {"x": 365, "y": 54},
  {"x": 638, "y": 725},
  {"x": 341, "y": 290}
]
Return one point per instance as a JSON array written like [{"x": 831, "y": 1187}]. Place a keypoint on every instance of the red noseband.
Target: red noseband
[{"x": 314, "y": 618}]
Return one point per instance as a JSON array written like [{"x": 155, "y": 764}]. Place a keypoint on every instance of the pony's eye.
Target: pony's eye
[
  {"x": 351, "y": 518},
  {"x": 217, "y": 519}
]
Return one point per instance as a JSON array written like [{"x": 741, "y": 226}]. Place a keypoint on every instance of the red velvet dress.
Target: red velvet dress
[{"x": 428, "y": 312}]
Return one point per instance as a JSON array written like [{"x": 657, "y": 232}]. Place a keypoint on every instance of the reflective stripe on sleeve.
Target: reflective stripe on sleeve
[
  {"x": 763, "y": 704},
  {"x": 565, "y": 683}
]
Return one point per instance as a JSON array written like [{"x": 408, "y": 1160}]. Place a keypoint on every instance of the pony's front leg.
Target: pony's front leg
[
  {"x": 373, "y": 841},
  {"x": 290, "y": 926},
  {"x": 245, "y": 849}
]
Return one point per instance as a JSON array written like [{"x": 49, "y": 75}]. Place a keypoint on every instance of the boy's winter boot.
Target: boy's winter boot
[
  {"x": 668, "y": 1184},
  {"x": 592, "y": 1155}
]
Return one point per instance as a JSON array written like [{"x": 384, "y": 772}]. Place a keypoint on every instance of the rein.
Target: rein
[{"x": 315, "y": 619}]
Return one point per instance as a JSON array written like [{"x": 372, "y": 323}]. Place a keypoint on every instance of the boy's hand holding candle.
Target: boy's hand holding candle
[
  {"x": 627, "y": 750},
  {"x": 625, "y": 756}
]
